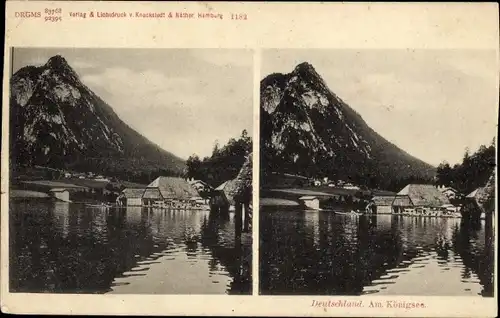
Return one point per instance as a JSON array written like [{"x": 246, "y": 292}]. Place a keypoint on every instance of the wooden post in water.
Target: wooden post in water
[
  {"x": 246, "y": 224},
  {"x": 238, "y": 215},
  {"x": 489, "y": 253},
  {"x": 489, "y": 231}
]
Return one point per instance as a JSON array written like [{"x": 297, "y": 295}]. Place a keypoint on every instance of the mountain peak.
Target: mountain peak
[
  {"x": 307, "y": 130},
  {"x": 59, "y": 122},
  {"x": 305, "y": 68},
  {"x": 307, "y": 72},
  {"x": 57, "y": 62}
]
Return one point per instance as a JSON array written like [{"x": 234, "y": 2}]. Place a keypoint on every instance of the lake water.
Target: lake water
[
  {"x": 322, "y": 253},
  {"x": 71, "y": 248}
]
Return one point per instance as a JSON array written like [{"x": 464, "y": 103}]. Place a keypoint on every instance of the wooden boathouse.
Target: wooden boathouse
[
  {"x": 171, "y": 191},
  {"x": 383, "y": 203},
  {"x": 236, "y": 194},
  {"x": 481, "y": 201},
  {"x": 130, "y": 197},
  {"x": 418, "y": 197},
  {"x": 310, "y": 202}
]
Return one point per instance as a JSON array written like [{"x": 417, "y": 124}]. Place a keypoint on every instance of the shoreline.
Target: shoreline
[{"x": 284, "y": 203}]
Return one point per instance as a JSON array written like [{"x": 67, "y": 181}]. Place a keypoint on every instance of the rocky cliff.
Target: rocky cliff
[
  {"x": 57, "y": 121},
  {"x": 306, "y": 129}
]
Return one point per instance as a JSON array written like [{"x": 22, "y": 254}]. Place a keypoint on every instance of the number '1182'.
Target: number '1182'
[{"x": 239, "y": 16}]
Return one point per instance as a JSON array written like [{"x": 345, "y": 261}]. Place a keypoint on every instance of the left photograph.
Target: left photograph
[{"x": 130, "y": 171}]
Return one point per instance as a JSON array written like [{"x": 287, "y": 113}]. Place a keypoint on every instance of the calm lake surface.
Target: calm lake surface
[
  {"x": 71, "y": 248},
  {"x": 322, "y": 253}
]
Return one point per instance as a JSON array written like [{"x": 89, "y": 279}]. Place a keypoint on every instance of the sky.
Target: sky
[
  {"x": 431, "y": 103},
  {"x": 184, "y": 100}
]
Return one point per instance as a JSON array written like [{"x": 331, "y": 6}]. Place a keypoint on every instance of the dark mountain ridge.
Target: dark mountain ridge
[
  {"x": 57, "y": 121},
  {"x": 306, "y": 129}
]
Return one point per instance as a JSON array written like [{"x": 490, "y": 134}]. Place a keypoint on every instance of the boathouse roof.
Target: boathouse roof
[
  {"x": 241, "y": 186},
  {"x": 152, "y": 193},
  {"x": 421, "y": 195},
  {"x": 402, "y": 201},
  {"x": 474, "y": 193},
  {"x": 308, "y": 197},
  {"x": 449, "y": 189},
  {"x": 200, "y": 182},
  {"x": 133, "y": 193},
  {"x": 58, "y": 190},
  {"x": 382, "y": 193},
  {"x": 485, "y": 196},
  {"x": 228, "y": 188},
  {"x": 173, "y": 188},
  {"x": 53, "y": 184},
  {"x": 381, "y": 200},
  {"x": 89, "y": 183},
  {"x": 222, "y": 186}
]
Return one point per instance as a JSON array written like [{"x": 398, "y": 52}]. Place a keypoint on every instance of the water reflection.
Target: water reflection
[
  {"x": 325, "y": 253},
  {"x": 70, "y": 248}
]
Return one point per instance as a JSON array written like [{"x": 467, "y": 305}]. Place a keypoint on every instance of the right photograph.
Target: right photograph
[{"x": 377, "y": 172}]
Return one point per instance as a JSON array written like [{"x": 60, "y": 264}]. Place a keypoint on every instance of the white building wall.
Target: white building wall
[
  {"x": 384, "y": 209},
  {"x": 312, "y": 204},
  {"x": 61, "y": 195},
  {"x": 134, "y": 201}
]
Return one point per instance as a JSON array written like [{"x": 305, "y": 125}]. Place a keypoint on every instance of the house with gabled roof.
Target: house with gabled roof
[
  {"x": 200, "y": 185},
  {"x": 418, "y": 196},
  {"x": 161, "y": 190},
  {"x": 310, "y": 202},
  {"x": 481, "y": 201},
  {"x": 168, "y": 189},
  {"x": 173, "y": 188},
  {"x": 236, "y": 194},
  {"x": 130, "y": 197},
  {"x": 383, "y": 203},
  {"x": 474, "y": 193},
  {"x": 223, "y": 195},
  {"x": 449, "y": 192}
]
